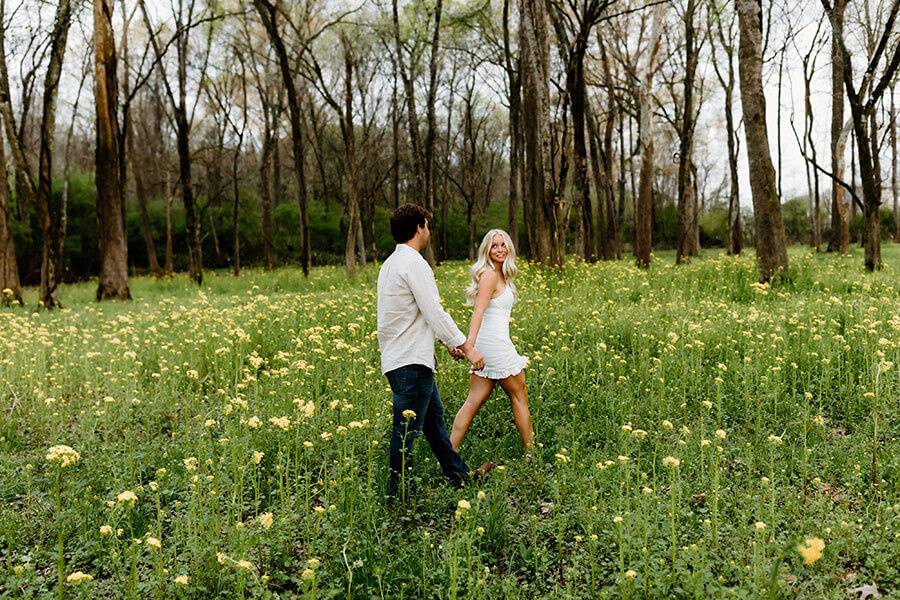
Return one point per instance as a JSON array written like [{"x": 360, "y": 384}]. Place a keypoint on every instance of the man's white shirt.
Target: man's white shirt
[{"x": 410, "y": 315}]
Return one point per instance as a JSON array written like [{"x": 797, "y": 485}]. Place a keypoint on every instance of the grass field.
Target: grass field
[{"x": 694, "y": 428}]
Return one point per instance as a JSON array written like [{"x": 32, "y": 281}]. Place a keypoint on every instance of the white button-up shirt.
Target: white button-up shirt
[{"x": 410, "y": 315}]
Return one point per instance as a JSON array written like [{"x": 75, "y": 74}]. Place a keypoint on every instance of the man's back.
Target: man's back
[{"x": 410, "y": 316}]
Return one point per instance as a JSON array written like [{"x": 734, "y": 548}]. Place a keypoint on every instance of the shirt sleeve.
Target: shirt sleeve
[{"x": 421, "y": 283}]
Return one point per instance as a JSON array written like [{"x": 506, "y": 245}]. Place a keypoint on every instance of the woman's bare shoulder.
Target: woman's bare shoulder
[{"x": 489, "y": 277}]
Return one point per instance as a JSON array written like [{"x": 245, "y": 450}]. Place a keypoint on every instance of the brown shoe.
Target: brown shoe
[{"x": 482, "y": 472}]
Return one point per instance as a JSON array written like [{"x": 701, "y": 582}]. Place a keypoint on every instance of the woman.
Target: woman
[{"x": 492, "y": 294}]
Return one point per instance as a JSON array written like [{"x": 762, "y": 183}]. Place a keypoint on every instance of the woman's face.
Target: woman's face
[{"x": 499, "y": 251}]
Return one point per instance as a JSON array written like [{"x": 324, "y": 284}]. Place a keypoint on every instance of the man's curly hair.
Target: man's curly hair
[{"x": 406, "y": 219}]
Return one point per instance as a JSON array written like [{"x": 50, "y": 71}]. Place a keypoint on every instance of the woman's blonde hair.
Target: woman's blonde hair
[{"x": 484, "y": 263}]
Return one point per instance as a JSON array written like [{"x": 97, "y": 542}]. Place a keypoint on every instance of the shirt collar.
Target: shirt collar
[{"x": 406, "y": 248}]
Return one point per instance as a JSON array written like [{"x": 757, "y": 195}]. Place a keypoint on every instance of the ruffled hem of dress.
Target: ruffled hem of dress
[{"x": 502, "y": 373}]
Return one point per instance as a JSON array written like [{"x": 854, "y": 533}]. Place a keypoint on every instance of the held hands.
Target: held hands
[
  {"x": 456, "y": 353},
  {"x": 472, "y": 355}
]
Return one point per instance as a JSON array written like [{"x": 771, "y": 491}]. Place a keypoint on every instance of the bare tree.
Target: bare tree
[
  {"x": 840, "y": 209},
  {"x": 895, "y": 178},
  {"x": 9, "y": 268},
  {"x": 40, "y": 195},
  {"x": 643, "y": 231},
  {"x": 808, "y": 61},
  {"x": 137, "y": 169},
  {"x": 511, "y": 64},
  {"x": 863, "y": 101},
  {"x": 186, "y": 20},
  {"x": 540, "y": 190},
  {"x": 723, "y": 27},
  {"x": 771, "y": 250},
  {"x": 113, "y": 281},
  {"x": 573, "y": 24},
  {"x": 268, "y": 12},
  {"x": 688, "y": 243},
  {"x": 477, "y": 161},
  {"x": 345, "y": 114}
]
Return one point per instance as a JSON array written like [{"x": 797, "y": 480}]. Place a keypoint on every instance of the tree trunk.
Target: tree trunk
[
  {"x": 195, "y": 249},
  {"x": 870, "y": 177},
  {"x": 735, "y": 235},
  {"x": 643, "y": 228},
  {"x": 412, "y": 122},
  {"x": 213, "y": 232},
  {"x": 771, "y": 251},
  {"x": 142, "y": 198},
  {"x": 268, "y": 13},
  {"x": 354, "y": 225},
  {"x": 853, "y": 233},
  {"x": 113, "y": 281},
  {"x": 840, "y": 209},
  {"x": 895, "y": 181},
  {"x": 539, "y": 189},
  {"x": 49, "y": 211},
  {"x": 575, "y": 84},
  {"x": 601, "y": 243},
  {"x": 687, "y": 201},
  {"x": 611, "y": 250},
  {"x": 444, "y": 202},
  {"x": 182, "y": 136},
  {"x": 515, "y": 108},
  {"x": 265, "y": 197},
  {"x": 395, "y": 143},
  {"x": 235, "y": 222},
  {"x": 9, "y": 268},
  {"x": 431, "y": 122},
  {"x": 470, "y": 225},
  {"x": 169, "y": 265},
  {"x": 279, "y": 191}
]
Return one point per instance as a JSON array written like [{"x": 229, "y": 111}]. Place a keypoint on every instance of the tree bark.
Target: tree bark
[
  {"x": 269, "y": 15},
  {"x": 113, "y": 281},
  {"x": 643, "y": 230},
  {"x": 235, "y": 221},
  {"x": 140, "y": 186},
  {"x": 412, "y": 121},
  {"x": 354, "y": 225},
  {"x": 48, "y": 210},
  {"x": 771, "y": 251},
  {"x": 265, "y": 196},
  {"x": 182, "y": 135},
  {"x": 395, "y": 142},
  {"x": 9, "y": 268},
  {"x": 539, "y": 189},
  {"x": 840, "y": 209},
  {"x": 169, "y": 264},
  {"x": 687, "y": 201},
  {"x": 895, "y": 178},
  {"x": 431, "y": 121},
  {"x": 514, "y": 80}
]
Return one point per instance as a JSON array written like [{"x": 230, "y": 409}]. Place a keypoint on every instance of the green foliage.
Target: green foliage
[
  {"x": 328, "y": 230},
  {"x": 770, "y": 398}
]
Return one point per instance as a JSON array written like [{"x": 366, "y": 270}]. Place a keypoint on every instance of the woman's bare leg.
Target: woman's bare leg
[
  {"x": 518, "y": 396},
  {"x": 479, "y": 391}
]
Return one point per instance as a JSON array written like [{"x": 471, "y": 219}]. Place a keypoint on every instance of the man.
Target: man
[{"x": 410, "y": 318}]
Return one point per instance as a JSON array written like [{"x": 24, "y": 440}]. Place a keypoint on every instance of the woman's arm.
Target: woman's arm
[{"x": 487, "y": 285}]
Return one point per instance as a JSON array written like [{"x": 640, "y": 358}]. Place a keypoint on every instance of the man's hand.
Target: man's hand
[{"x": 456, "y": 353}]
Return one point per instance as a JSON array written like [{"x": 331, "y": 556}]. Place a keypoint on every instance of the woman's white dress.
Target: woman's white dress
[{"x": 500, "y": 357}]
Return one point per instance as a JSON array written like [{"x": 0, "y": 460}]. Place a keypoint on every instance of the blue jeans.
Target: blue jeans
[{"x": 414, "y": 389}]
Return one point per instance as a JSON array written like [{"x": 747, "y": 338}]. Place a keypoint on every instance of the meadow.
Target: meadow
[{"x": 700, "y": 436}]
